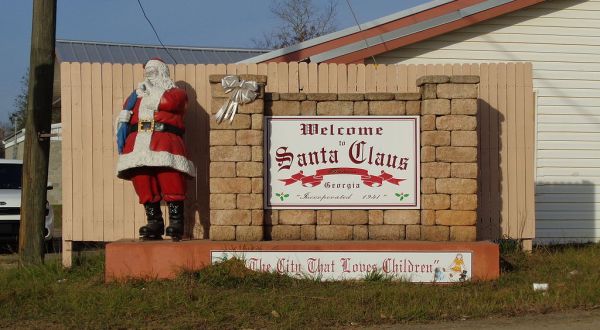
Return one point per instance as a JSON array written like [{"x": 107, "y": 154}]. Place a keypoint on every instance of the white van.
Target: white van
[{"x": 10, "y": 201}]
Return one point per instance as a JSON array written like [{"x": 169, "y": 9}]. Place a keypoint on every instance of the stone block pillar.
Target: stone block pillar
[
  {"x": 448, "y": 157},
  {"x": 236, "y": 167}
]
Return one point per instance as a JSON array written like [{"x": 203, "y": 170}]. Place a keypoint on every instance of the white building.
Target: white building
[{"x": 561, "y": 38}]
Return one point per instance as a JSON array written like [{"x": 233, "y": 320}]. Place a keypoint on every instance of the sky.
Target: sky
[{"x": 202, "y": 23}]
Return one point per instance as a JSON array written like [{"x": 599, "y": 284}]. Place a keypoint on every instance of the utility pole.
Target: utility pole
[{"x": 37, "y": 132}]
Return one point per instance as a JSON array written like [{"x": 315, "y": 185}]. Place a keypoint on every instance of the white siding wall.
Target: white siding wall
[{"x": 562, "y": 40}]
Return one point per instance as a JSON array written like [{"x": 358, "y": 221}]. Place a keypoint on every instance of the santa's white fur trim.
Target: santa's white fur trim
[{"x": 154, "y": 158}]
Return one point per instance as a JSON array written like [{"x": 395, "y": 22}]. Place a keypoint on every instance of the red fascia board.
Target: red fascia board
[
  {"x": 375, "y": 31},
  {"x": 361, "y": 55}
]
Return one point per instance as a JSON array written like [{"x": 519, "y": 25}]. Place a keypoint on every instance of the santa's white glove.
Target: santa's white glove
[{"x": 123, "y": 118}]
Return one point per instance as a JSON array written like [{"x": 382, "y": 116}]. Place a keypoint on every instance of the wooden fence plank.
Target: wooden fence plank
[
  {"x": 429, "y": 69},
  {"x": 313, "y": 78},
  {"x": 323, "y": 83},
  {"x": 293, "y": 75},
  {"x": 448, "y": 69},
  {"x": 303, "y": 77},
  {"x": 503, "y": 142},
  {"x": 529, "y": 230},
  {"x": 107, "y": 170},
  {"x": 117, "y": 106},
  {"x": 201, "y": 151},
  {"x": 231, "y": 68},
  {"x": 333, "y": 76},
  {"x": 192, "y": 138},
  {"x": 342, "y": 78},
  {"x": 494, "y": 168},
  {"x": 138, "y": 209},
  {"x": 380, "y": 78},
  {"x": 420, "y": 71},
  {"x": 411, "y": 78},
  {"x": 77, "y": 151},
  {"x": 484, "y": 148},
  {"x": 456, "y": 69},
  {"x": 511, "y": 180},
  {"x": 66, "y": 151},
  {"x": 391, "y": 78},
  {"x": 282, "y": 77},
  {"x": 438, "y": 69},
  {"x": 466, "y": 69},
  {"x": 520, "y": 140},
  {"x": 240, "y": 69},
  {"x": 402, "y": 78},
  {"x": 87, "y": 195},
  {"x": 352, "y": 78},
  {"x": 129, "y": 197},
  {"x": 361, "y": 73},
  {"x": 252, "y": 68},
  {"x": 97, "y": 233},
  {"x": 272, "y": 82},
  {"x": 370, "y": 78},
  {"x": 262, "y": 69}
]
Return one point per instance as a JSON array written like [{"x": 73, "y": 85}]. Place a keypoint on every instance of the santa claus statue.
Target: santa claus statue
[{"x": 151, "y": 149}]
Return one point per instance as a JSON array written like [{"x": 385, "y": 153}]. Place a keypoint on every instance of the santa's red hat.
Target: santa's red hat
[{"x": 155, "y": 59}]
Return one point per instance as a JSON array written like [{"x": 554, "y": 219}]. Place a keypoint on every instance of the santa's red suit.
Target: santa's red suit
[
  {"x": 163, "y": 151},
  {"x": 154, "y": 159},
  {"x": 150, "y": 132}
]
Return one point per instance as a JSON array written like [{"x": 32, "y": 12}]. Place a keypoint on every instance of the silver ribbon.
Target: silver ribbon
[{"x": 242, "y": 92}]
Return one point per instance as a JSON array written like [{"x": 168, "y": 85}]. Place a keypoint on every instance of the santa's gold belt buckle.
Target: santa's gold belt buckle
[{"x": 146, "y": 126}]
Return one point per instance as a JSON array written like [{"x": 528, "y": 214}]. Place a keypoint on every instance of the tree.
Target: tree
[
  {"x": 301, "y": 20},
  {"x": 17, "y": 117},
  {"x": 4, "y": 132}
]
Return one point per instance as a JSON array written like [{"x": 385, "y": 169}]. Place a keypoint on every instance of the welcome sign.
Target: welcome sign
[{"x": 342, "y": 162}]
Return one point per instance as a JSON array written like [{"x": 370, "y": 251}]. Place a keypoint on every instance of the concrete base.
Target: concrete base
[{"x": 165, "y": 259}]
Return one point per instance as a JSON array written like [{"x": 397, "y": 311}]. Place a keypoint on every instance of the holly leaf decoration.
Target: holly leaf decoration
[{"x": 401, "y": 196}]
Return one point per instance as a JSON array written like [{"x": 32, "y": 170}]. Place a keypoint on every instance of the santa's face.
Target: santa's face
[
  {"x": 156, "y": 74},
  {"x": 150, "y": 72}
]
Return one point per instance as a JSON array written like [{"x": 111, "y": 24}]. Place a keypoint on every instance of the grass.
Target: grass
[{"x": 230, "y": 296}]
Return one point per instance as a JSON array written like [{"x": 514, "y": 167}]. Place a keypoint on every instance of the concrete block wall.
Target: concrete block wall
[{"x": 447, "y": 106}]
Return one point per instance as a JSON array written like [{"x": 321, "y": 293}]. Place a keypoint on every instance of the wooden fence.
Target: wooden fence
[{"x": 99, "y": 207}]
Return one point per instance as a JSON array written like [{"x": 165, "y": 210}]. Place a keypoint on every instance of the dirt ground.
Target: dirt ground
[{"x": 581, "y": 320}]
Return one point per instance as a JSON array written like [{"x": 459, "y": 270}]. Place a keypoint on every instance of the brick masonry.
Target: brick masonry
[{"x": 448, "y": 166}]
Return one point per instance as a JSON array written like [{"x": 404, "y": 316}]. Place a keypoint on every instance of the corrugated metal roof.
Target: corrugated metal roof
[{"x": 104, "y": 52}]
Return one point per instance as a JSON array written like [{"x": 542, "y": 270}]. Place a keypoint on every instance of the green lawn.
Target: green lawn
[{"x": 229, "y": 296}]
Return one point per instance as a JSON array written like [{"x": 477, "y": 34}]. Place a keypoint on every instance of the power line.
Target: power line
[
  {"x": 155, "y": 33},
  {"x": 359, "y": 28}
]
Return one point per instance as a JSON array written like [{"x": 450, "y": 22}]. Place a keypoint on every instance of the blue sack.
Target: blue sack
[
  {"x": 123, "y": 128},
  {"x": 121, "y": 136}
]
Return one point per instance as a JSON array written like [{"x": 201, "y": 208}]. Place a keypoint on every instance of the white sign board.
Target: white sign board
[
  {"x": 342, "y": 162},
  {"x": 441, "y": 267}
]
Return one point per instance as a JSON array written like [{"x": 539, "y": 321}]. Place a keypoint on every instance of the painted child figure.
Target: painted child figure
[{"x": 151, "y": 149}]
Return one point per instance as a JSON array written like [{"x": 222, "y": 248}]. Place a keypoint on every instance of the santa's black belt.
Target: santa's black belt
[{"x": 155, "y": 126}]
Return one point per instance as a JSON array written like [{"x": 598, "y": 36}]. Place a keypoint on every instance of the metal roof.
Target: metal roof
[{"x": 104, "y": 52}]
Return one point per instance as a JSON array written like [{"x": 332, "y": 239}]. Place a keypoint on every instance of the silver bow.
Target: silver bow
[{"x": 243, "y": 92}]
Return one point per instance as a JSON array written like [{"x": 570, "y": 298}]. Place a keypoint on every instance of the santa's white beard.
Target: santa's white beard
[{"x": 155, "y": 85}]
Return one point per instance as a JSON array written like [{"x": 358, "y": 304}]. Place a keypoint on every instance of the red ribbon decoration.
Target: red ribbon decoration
[{"x": 315, "y": 180}]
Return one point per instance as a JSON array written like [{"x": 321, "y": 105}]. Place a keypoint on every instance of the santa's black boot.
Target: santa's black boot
[
  {"x": 156, "y": 225},
  {"x": 175, "y": 228}
]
